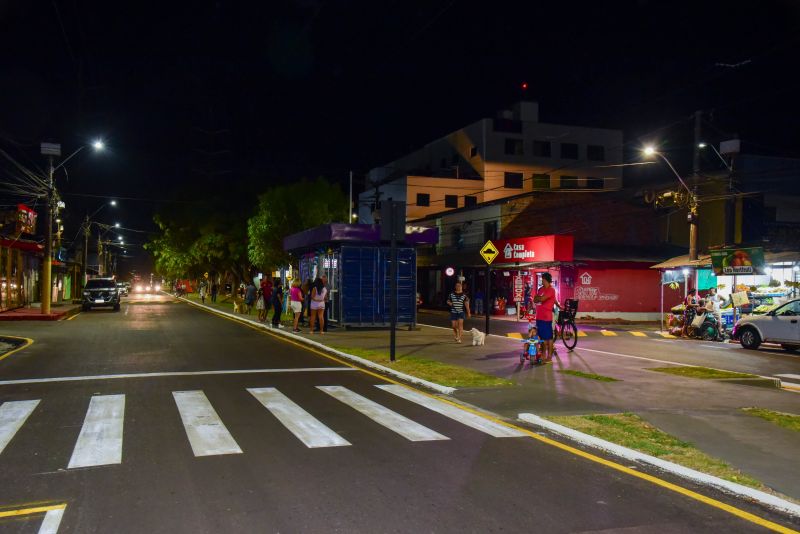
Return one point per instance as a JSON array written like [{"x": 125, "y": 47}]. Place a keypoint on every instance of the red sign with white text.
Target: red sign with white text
[{"x": 546, "y": 248}]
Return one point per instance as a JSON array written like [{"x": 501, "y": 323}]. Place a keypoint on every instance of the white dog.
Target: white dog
[{"x": 478, "y": 337}]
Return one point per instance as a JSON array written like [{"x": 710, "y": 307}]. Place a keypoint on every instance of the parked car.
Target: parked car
[
  {"x": 101, "y": 292},
  {"x": 780, "y": 325}
]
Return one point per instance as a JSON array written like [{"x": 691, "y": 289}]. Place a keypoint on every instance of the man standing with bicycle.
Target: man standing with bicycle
[{"x": 545, "y": 299}]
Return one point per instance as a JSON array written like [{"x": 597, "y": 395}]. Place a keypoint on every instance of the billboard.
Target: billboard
[
  {"x": 26, "y": 220},
  {"x": 733, "y": 261}
]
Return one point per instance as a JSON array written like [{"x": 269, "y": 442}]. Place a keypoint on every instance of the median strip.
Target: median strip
[
  {"x": 592, "y": 376},
  {"x": 786, "y": 420}
]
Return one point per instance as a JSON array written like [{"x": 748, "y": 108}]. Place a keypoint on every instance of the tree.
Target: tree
[{"x": 287, "y": 209}]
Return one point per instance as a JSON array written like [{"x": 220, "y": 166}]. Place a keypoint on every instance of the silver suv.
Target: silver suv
[{"x": 101, "y": 292}]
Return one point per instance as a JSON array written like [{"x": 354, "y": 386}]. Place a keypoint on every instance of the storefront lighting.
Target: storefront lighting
[
  {"x": 686, "y": 272},
  {"x": 449, "y": 271}
]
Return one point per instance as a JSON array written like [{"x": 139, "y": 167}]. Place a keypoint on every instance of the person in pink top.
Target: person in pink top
[
  {"x": 545, "y": 299},
  {"x": 296, "y": 302}
]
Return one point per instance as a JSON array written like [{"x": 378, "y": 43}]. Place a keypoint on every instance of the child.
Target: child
[{"x": 532, "y": 346}]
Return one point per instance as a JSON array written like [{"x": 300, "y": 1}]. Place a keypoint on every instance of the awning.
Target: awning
[
  {"x": 683, "y": 261},
  {"x": 27, "y": 246}
]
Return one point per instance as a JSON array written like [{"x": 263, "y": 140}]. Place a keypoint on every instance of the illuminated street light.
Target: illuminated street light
[
  {"x": 701, "y": 145},
  {"x": 98, "y": 144},
  {"x": 649, "y": 150},
  {"x": 120, "y": 238},
  {"x": 704, "y": 145},
  {"x": 113, "y": 202},
  {"x": 116, "y": 225}
]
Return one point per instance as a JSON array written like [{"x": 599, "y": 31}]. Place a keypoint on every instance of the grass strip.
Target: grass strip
[
  {"x": 703, "y": 373},
  {"x": 591, "y": 376},
  {"x": 630, "y": 430},
  {"x": 786, "y": 420},
  {"x": 431, "y": 370}
]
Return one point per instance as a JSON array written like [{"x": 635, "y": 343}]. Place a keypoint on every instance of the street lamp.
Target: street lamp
[
  {"x": 702, "y": 145},
  {"x": 50, "y": 150},
  {"x": 692, "y": 216}
]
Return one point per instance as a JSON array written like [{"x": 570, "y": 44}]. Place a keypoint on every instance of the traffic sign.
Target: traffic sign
[{"x": 489, "y": 252}]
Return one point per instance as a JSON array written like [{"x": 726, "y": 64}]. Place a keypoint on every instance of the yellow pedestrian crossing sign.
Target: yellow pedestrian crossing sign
[{"x": 489, "y": 252}]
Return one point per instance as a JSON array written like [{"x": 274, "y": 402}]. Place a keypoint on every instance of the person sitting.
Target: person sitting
[{"x": 532, "y": 343}]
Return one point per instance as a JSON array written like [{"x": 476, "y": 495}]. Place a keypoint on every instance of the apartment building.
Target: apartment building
[{"x": 496, "y": 158}]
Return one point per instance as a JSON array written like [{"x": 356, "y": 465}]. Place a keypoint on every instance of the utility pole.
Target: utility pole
[
  {"x": 692, "y": 215},
  {"x": 99, "y": 254},
  {"x": 350, "y": 205},
  {"x": 47, "y": 262},
  {"x": 85, "y": 250}
]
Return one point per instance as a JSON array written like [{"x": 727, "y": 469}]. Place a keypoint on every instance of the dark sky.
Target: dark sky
[{"x": 200, "y": 98}]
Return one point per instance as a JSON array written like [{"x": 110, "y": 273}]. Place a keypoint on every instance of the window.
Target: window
[
  {"x": 514, "y": 147},
  {"x": 541, "y": 181},
  {"x": 489, "y": 230},
  {"x": 512, "y": 180},
  {"x": 595, "y": 152},
  {"x": 541, "y": 149},
  {"x": 569, "y": 151},
  {"x": 423, "y": 199},
  {"x": 470, "y": 201},
  {"x": 569, "y": 182},
  {"x": 473, "y": 151},
  {"x": 451, "y": 201},
  {"x": 594, "y": 183}
]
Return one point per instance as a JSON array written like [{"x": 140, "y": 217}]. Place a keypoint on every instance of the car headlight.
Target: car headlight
[
  {"x": 138, "y": 288},
  {"x": 158, "y": 288},
  {"x": 86, "y": 293}
]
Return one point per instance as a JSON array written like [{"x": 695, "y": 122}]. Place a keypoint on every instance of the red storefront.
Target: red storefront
[{"x": 606, "y": 285}]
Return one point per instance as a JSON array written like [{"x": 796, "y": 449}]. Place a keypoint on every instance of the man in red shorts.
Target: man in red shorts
[{"x": 545, "y": 299}]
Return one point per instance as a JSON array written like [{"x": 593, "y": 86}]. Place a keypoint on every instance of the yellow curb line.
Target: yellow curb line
[
  {"x": 567, "y": 448},
  {"x": 514, "y": 335},
  {"x": 71, "y": 317},
  {"x": 608, "y": 333},
  {"x": 581, "y": 333},
  {"x": 34, "y": 510},
  {"x": 638, "y": 334},
  {"x": 28, "y": 343},
  {"x": 667, "y": 335}
]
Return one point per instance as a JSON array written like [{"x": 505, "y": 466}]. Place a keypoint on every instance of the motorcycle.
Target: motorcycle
[{"x": 704, "y": 326}]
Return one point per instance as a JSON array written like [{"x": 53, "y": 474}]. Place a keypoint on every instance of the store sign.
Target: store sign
[
  {"x": 534, "y": 249},
  {"x": 733, "y": 261},
  {"x": 26, "y": 220}
]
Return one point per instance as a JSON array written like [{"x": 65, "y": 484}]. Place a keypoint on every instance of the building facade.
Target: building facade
[{"x": 496, "y": 158}]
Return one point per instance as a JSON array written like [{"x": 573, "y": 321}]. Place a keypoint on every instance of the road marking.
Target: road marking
[
  {"x": 747, "y": 516},
  {"x": 453, "y": 412},
  {"x": 13, "y": 415},
  {"x": 788, "y": 375},
  {"x": 404, "y": 426},
  {"x": 581, "y": 333},
  {"x": 100, "y": 440},
  {"x": 666, "y": 335},
  {"x": 608, "y": 333},
  {"x": 723, "y": 347},
  {"x": 52, "y": 516},
  {"x": 637, "y": 334},
  {"x": 207, "y": 434},
  {"x": 302, "y": 424},
  {"x": 51, "y": 522},
  {"x": 514, "y": 335},
  {"x": 71, "y": 317},
  {"x": 28, "y": 343},
  {"x": 175, "y": 373}
]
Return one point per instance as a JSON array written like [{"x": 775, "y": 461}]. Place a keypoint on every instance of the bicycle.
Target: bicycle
[{"x": 565, "y": 324}]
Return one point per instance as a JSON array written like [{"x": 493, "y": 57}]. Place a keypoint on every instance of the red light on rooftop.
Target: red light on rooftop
[{"x": 524, "y": 86}]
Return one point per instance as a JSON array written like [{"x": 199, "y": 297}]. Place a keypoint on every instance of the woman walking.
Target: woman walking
[
  {"x": 459, "y": 307},
  {"x": 296, "y": 302},
  {"x": 318, "y": 294},
  {"x": 277, "y": 304}
]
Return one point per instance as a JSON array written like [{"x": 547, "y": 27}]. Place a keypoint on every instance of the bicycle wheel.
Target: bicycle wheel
[{"x": 569, "y": 335}]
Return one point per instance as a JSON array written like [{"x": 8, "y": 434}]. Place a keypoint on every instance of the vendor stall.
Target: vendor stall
[{"x": 357, "y": 264}]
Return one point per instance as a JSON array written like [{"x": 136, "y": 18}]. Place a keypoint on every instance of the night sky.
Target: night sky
[{"x": 205, "y": 98}]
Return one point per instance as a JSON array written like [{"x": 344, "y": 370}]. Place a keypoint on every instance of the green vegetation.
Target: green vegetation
[
  {"x": 786, "y": 420},
  {"x": 700, "y": 372},
  {"x": 630, "y": 430},
  {"x": 592, "y": 376},
  {"x": 433, "y": 371}
]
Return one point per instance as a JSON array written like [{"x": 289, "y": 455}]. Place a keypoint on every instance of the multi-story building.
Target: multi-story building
[{"x": 496, "y": 158}]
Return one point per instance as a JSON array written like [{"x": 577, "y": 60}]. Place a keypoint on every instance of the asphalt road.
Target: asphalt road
[
  {"x": 229, "y": 431},
  {"x": 769, "y": 360}
]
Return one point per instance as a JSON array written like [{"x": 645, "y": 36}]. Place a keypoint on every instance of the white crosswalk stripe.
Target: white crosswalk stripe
[
  {"x": 207, "y": 434},
  {"x": 100, "y": 440},
  {"x": 302, "y": 424},
  {"x": 453, "y": 412},
  {"x": 13, "y": 415},
  {"x": 392, "y": 420}
]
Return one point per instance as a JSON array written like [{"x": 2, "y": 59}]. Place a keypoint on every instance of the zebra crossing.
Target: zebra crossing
[{"x": 100, "y": 441}]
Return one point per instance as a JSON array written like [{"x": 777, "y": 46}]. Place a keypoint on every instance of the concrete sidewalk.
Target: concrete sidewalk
[
  {"x": 34, "y": 312},
  {"x": 705, "y": 413}
]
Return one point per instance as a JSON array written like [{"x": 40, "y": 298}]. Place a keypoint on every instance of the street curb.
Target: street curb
[
  {"x": 446, "y": 390},
  {"x": 761, "y": 382},
  {"x": 732, "y": 488}
]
